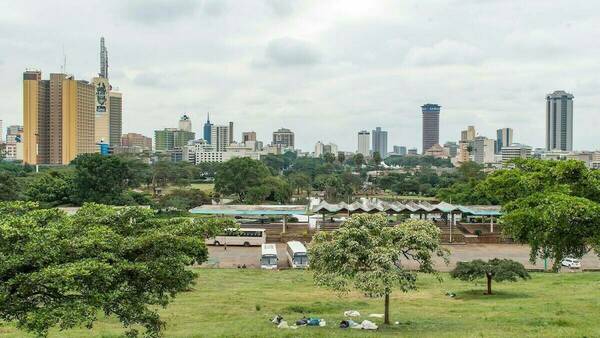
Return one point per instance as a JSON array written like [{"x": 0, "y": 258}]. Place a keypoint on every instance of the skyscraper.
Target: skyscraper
[
  {"x": 504, "y": 138},
  {"x": 431, "y": 125},
  {"x": 380, "y": 142},
  {"x": 103, "y": 60},
  {"x": 207, "y": 129},
  {"x": 364, "y": 143},
  {"x": 185, "y": 123},
  {"x": 468, "y": 134},
  {"x": 58, "y": 117},
  {"x": 171, "y": 138},
  {"x": 559, "y": 121},
  {"x": 284, "y": 138},
  {"x": 220, "y": 136},
  {"x": 248, "y": 136},
  {"x": 115, "y": 118}
]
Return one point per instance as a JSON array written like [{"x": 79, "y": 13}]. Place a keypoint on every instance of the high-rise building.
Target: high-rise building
[
  {"x": 483, "y": 150},
  {"x": 319, "y": 149},
  {"x": 248, "y": 136},
  {"x": 364, "y": 143},
  {"x": 12, "y": 149},
  {"x": 101, "y": 109},
  {"x": 231, "y": 140},
  {"x": 451, "y": 148},
  {"x": 207, "y": 130},
  {"x": 220, "y": 136},
  {"x": 108, "y": 105},
  {"x": 115, "y": 118},
  {"x": 283, "y": 137},
  {"x": 468, "y": 135},
  {"x": 103, "y": 59},
  {"x": 504, "y": 137},
  {"x": 379, "y": 138},
  {"x": 400, "y": 150},
  {"x": 136, "y": 140},
  {"x": 185, "y": 123},
  {"x": 59, "y": 118},
  {"x": 515, "y": 150},
  {"x": 431, "y": 125},
  {"x": 559, "y": 121},
  {"x": 171, "y": 138}
]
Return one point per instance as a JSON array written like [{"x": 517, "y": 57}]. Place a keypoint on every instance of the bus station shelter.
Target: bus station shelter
[{"x": 251, "y": 210}]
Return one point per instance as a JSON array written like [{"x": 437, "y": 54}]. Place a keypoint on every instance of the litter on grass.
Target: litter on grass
[
  {"x": 376, "y": 315},
  {"x": 351, "y": 313}
]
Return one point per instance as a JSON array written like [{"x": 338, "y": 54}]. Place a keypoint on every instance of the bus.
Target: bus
[
  {"x": 241, "y": 236},
  {"x": 268, "y": 256},
  {"x": 297, "y": 255}
]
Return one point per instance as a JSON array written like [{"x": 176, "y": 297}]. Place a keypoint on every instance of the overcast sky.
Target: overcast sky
[{"x": 325, "y": 69}]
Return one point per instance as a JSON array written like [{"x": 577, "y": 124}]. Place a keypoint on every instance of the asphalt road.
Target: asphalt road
[{"x": 235, "y": 256}]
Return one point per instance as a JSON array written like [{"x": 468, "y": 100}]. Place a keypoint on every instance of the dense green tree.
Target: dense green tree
[
  {"x": 329, "y": 157},
  {"x": 184, "y": 199},
  {"x": 551, "y": 205},
  {"x": 51, "y": 188},
  {"x": 60, "y": 270},
  {"x": 274, "y": 162},
  {"x": 367, "y": 254},
  {"x": 496, "y": 269},
  {"x": 300, "y": 181},
  {"x": 238, "y": 175},
  {"x": 101, "y": 179},
  {"x": 341, "y": 157},
  {"x": 279, "y": 189},
  {"x": 10, "y": 188},
  {"x": 359, "y": 160},
  {"x": 414, "y": 161},
  {"x": 555, "y": 225},
  {"x": 376, "y": 158}
]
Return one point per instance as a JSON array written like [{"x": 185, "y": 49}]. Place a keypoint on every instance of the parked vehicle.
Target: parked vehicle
[
  {"x": 571, "y": 263},
  {"x": 268, "y": 257},
  {"x": 241, "y": 236},
  {"x": 297, "y": 255}
]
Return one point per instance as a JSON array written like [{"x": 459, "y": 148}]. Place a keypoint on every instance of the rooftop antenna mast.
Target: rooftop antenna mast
[{"x": 63, "y": 68}]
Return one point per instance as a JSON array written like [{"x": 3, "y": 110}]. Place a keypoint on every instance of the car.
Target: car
[{"x": 572, "y": 263}]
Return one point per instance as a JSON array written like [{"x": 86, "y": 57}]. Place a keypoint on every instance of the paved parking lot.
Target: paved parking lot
[{"x": 235, "y": 256}]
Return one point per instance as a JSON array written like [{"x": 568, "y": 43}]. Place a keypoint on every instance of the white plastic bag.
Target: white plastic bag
[
  {"x": 368, "y": 325},
  {"x": 376, "y": 315},
  {"x": 351, "y": 313}
]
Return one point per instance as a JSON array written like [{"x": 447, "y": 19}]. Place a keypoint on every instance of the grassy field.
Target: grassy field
[{"x": 238, "y": 303}]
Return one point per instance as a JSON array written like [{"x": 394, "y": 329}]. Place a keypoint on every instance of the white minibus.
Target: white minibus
[
  {"x": 296, "y": 254},
  {"x": 268, "y": 256}
]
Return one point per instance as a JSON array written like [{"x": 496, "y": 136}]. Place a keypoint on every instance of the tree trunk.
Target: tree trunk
[
  {"x": 489, "y": 283},
  {"x": 386, "y": 318}
]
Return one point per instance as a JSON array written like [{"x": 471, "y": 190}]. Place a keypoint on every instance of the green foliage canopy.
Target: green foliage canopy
[
  {"x": 59, "y": 270},
  {"x": 496, "y": 269},
  {"x": 367, "y": 254}
]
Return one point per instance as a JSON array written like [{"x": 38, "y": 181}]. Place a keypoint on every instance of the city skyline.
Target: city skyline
[{"x": 280, "y": 74}]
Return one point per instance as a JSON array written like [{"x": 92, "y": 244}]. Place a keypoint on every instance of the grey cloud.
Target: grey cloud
[
  {"x": 445, "y": 52},
  {"x": 282, "y": 8},
  {"x": 292, "y": 52},
  {"x": 158, "y": 11}
]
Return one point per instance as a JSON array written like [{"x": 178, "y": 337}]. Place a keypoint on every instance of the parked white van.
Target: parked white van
[
  {"x": 297, "y": 255},
  {"x": 268, "y": 256}
]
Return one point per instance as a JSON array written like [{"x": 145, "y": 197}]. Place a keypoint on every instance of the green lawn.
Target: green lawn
[{"x": 224, "y": 304}]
